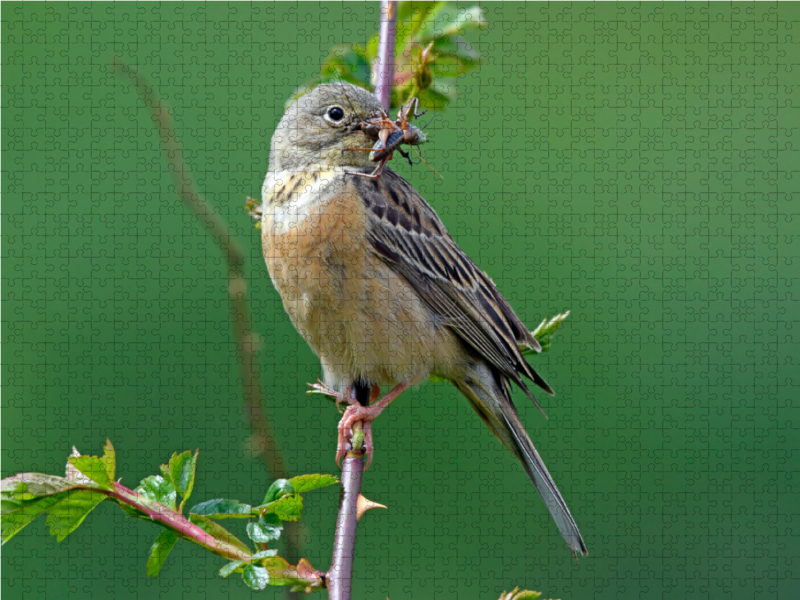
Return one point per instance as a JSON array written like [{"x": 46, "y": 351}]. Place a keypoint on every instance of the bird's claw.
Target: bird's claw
[
  {"x": 321, "y": 388},
  {"x": 353, "y": 414}
]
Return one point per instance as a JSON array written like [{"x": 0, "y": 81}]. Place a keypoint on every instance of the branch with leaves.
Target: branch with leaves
[
  {"x": 430, "y": 52},
  {"x": 89, "y": 480},
  {"x": 161, "y": 499}
]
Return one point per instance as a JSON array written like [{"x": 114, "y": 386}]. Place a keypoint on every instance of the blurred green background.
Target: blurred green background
[{"x": 636, "y": 164}]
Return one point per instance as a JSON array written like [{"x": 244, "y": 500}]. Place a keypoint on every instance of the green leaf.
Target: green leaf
[
  {"x": 256, "y": 577},
  {"x": 14, "y": 520},
  {"x": 527, "y": 595},
  {"x": 94, "y": 468},
  {"x": 29, "y": 486},
  {"x": 159, "y": 551},
  {"x": 278, "y": 488},
  {"x": 220, "y": 508},
  {"x": 264, "y": 554},
  {"x": 109, "y": 460},
  {"x": 70, "y": 511},
  {"x": 449, "y": 20},
  {"x": 544, "y": 333},
  {"x": 281, "y": 572},
  {"x": 218, "y": 532},
  {"x": 231, "y": 567},
  {"x": 287, "y": 508},
  {"x": 438, "y": 96},
  {"x": 158, "y": 489},
  {"x": 182, "y": 470},
  {"x": 347, "y": 63},
  {"x": 454, "y": 56},
  {"x": 306, "y": 483},
  {"x": 410, "y": 16},
  {"x": 263, "y": 532}
]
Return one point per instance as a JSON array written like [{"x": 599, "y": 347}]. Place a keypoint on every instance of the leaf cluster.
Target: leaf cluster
[
  {"x": 89, "y": 480},
  {"x": 430, "y": 53}
]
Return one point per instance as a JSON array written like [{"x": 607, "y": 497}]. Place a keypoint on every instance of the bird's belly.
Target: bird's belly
[{"x": 361, "y": 318}]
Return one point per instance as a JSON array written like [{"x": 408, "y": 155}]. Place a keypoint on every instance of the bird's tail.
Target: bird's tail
[{"x": 489, "y": 396}]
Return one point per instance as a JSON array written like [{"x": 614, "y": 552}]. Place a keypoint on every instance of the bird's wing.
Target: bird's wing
[{"x": 408, "y": 234}]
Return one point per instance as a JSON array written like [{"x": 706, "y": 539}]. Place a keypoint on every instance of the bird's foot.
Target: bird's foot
[
  {"x": 365, "y": 414},
  {"x": 321, "y": 388}
]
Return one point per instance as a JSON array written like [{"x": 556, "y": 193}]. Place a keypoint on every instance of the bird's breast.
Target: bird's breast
[
  {"x": 358, "y": 315},
  {"x": 313, "y": 237}
]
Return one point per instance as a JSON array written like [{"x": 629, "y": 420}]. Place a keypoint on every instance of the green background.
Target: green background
[{"x": 636, "y": 164}]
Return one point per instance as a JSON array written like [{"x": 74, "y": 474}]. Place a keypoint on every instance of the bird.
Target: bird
[{"x": 372, "y": 280}]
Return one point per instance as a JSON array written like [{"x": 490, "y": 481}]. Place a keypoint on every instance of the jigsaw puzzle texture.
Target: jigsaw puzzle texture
[{"x": 636, "y": 164}]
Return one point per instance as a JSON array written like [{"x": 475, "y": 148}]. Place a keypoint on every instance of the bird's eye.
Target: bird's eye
[{"x": 335, "y": 113}]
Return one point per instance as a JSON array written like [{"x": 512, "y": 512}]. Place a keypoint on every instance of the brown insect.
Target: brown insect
[{"x": 390, "y": 135}]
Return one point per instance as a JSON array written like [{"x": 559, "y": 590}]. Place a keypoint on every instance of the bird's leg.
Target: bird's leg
[{"x": 366, "y": 414}]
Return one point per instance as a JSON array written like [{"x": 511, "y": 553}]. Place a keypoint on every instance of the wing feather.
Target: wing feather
[{"x": 408, "y": 234}]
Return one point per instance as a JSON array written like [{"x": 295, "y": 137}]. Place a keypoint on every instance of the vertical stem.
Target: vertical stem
[
  {"x": 339, "y": 579},
  {"x": 385, "y": 66}
]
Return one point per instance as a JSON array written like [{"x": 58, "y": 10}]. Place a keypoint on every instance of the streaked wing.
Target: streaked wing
[{"x": 406, "y": 232}]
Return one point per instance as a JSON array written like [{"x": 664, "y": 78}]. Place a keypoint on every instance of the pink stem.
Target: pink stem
[
  {"x": 385, "y": 66},
  {"x": 177, "y": 522},
  {"x": 340, "y": 575}
]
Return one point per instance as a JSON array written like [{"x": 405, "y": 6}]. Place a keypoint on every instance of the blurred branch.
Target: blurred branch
[
  {"x": 246, "y": 340},
  {"x": 385, "y": 67}
]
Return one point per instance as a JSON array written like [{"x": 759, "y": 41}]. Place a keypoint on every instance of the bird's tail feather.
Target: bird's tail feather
[{"x": 489, "y": 397}]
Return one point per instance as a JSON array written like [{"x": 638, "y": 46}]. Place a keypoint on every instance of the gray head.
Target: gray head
[{"x": 319, "y": 125}]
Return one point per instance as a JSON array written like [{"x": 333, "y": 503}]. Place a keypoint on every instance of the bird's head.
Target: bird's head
[{"x": 317, "y": 128}]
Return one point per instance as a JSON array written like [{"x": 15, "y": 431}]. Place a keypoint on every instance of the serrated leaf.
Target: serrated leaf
[
  {"x": 218, "y": 532},
  {"x": 278, "y": 488},
  {"x": 182, "y": 470},
  {"x": 160, "y": 550},
  {"x": 306, "y": 483},
  {"x": 287, "y": 508},
  {"x": 231, "y": 567},
  {"x": 220, "y": 508},
  {"x": 109, "y": 460},
  {"x": 93, "y": 468},
  {"x": 448, "y": 20},
  {"x": 24, "y": 513},
  {"x": 29, "y": 486},
  {"x": 255, "y": 577},
  {"x": 264, "y": 554},
  {"x": 70, "y": 511},
  {"x": 263, "y": 532},
  {"x": 158, "y": 489}
]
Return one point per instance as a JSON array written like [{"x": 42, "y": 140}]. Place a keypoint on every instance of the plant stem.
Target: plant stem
[
  {"x": 339, "y": 579},
  {"x": 385, "y": 66},
  {"x": 175, "y": 521}
]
